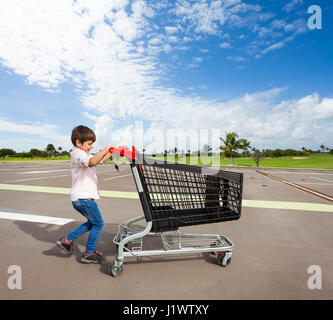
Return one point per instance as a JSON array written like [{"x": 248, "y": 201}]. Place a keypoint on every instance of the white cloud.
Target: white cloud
[
  {"x": 292, "y": 4},
  {"x": 196, "y": 62},
  {"x": 277, "y": 34},
  {"x": 258, "y": 117},
  {"x": 173, "y": 39},
  {"x": 203, "y": 50},
  {"x": 210, "y": 16},
  {"x": 198, "y": 59},
  {"x": 41, "y": 134},
  {"x": 171, "y": 29},
  {"x": 236, "y": 58},
  {"x": 187, "y": 39},
  {"x": 274, "y": 46},
  {"x": 103, "y": 49},
  {"x": 225, "y": 45},
  {"x": 266, "y": 32},
  {"x": 50, "y": 43},
  {"x": 155, "y": 41},
  {"x": 298, "y": 26}
]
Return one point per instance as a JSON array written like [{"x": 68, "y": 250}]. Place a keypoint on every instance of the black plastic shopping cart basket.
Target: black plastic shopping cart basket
[{"x": 176, "y": 195}]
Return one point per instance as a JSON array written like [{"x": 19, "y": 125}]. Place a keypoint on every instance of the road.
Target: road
[{"x": 283, "y": 232}]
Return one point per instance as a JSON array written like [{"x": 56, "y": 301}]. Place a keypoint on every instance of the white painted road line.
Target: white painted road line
[
  {"x": 34, "y": 218},
  {"x": 292, "y": 172},
  {"x": 322, "y": 179},
  {"x": 125, "y": 175},
  {"x": 48, "y": 177},
  {"x": 308, "y": 190},
  {"x": 43, "y": 171},
  {"x": 315, "y": 183}
]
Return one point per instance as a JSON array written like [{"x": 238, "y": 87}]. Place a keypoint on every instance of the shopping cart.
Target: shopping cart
[{"x": 176, "y": 195}]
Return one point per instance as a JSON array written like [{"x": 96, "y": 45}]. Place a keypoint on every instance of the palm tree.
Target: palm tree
[
  {"x": 230, "y": 143},
  {"x": 244, "y": 144},
  {"x": 50, "y": 149},
  {"x": 322, "y": 147}
]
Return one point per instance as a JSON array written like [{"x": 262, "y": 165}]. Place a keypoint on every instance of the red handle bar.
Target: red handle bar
[{"x": 124, "y": 151}]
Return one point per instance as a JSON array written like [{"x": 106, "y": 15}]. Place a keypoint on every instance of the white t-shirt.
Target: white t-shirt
[{"x": 84, "y": 178}]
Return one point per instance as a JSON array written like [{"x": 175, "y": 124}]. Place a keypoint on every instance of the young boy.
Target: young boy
[{"x": 84, "y": 192}]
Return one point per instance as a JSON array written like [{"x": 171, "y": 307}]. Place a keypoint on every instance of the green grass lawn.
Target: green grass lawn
[{"x": 316, "y": 161}]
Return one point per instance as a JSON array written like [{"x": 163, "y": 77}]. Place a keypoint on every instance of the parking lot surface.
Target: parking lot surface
[{"x": 282, "y": 233}]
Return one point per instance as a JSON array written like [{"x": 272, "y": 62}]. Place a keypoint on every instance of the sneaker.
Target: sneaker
[
  {"x": 64, "y": 246},
  {"x": 93, "y": 257}
]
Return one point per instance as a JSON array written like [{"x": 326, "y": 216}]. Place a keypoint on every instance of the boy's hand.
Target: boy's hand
[{"x": 103, "y": 155}]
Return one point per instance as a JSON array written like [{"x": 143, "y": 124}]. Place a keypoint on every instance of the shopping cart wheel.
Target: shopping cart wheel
[
  {"x": 223, "y": 259},
  {"x": 115, "y": 269}
]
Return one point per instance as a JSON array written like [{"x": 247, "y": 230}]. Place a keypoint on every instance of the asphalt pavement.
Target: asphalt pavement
[{"x": 282, "y": 236}]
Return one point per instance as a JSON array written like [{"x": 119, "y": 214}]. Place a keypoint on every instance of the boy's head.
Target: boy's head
[{"x": 83, "y": 138}]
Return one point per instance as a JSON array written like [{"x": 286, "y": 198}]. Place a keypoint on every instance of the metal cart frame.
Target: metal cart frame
[{"x": 207, "y": 196}]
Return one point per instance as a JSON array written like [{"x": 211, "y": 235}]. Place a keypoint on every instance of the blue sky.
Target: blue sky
[{"x": 253, "y": 67}]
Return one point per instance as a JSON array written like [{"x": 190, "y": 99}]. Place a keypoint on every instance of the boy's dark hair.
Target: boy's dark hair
[{"x": 83, "y": 134}]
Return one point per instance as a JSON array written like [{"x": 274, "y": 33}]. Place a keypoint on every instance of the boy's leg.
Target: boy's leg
[
  {"x": 96, "y": 219},
  {"x": 66, "y": 243},
  {"x": 82, "y": 206},
  {"x": 79, "y": 231},
  {"x": 97, "y": 222}
]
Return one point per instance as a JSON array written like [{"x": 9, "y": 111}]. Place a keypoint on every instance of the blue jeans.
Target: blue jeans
[{"x": 89, "y": 209}]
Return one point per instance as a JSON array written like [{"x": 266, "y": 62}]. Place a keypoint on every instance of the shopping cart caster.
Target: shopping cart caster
[
  {"x": 115, "y": 269},
  {"x": 223, "y": 259}
]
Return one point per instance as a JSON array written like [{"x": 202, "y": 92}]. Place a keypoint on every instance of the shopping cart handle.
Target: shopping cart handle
[{"x": 124, "y": 151}]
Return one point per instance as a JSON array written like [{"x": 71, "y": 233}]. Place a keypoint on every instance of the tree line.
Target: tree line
[
  {"x": 231, "y": 146},
  {"x": 48, "y": 152}
]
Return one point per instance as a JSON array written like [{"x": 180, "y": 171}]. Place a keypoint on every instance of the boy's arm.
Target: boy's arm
[
  {"x": 106, "y": 157},
  {"x": 96, "y": 159}
]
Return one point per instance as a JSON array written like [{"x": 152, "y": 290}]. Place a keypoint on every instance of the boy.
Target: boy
[{"x": 84, "y": 191}]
